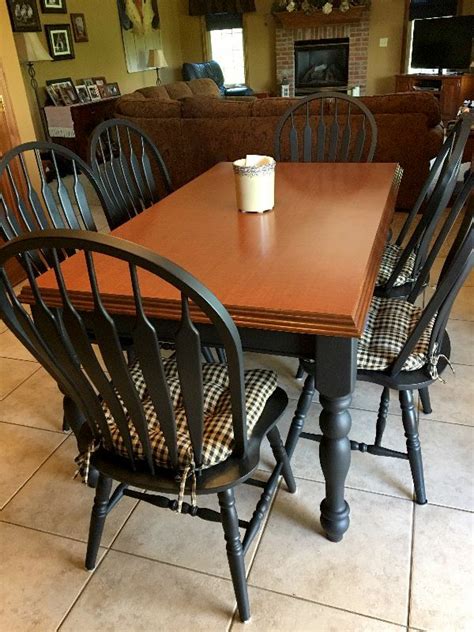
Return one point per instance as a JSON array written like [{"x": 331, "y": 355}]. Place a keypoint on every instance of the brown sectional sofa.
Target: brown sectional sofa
[{"x": 195, "y": 132}]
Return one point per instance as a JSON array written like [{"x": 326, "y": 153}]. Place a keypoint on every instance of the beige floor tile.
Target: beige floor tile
[
  {"x": 452, "y": 402},
  {"x": 54, "y": 501},
  {"x": 131, "y": 593},
  {"x": 367, "y": 472},
  {"x": 13, "y": 373},
  {"x": 367, "y": 572},
  {"x": 3, "y": 327},
  {"x": 272, "y": 612},
  {"x": 463, "y": 307},
  {"x": 443, "y": 576},
  {"x": 285, "y": 368},
  {"x": 37, "y": 403},
  {"x": 41, "y": 576},
  {"x": 22, "y": 451},
  {"x": 461, "y": 334},
  {"x": 11, "y": 347},
  {"x": 168, "y": 537},
  {"x": 448, "y": 463},
  {"x": 366, "y": 396}
]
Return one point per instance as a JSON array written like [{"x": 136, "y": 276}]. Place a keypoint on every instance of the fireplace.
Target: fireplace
[{"x": 321, "y": 64}]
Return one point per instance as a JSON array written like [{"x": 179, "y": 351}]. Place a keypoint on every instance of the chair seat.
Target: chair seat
[
  {"x": 389, "y": 323},
  {"x": 218, "y": 437},
  {"x": 390, "y": 259}
]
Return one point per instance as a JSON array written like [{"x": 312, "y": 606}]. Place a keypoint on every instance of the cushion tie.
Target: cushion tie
[
  {"x": 188, "y": 470},
  {"x": 83, "y": 460},
  {"x": 433, "y": 364}
]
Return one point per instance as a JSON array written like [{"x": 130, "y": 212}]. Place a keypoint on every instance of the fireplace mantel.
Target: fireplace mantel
[{"x": 299, "y": 19}]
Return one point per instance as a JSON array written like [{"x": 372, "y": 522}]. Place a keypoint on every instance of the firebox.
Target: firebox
[{"x": 322, "y": 63}]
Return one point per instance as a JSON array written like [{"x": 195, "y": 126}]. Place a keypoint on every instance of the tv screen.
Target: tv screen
[
  {"x": 432, "y": 8},
  {"x": 443, "y": 43}
]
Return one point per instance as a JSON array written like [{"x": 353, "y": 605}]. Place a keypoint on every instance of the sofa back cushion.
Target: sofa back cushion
[
  {"x": 147, "y": 108},
  {"x": 211, "y": 108}
]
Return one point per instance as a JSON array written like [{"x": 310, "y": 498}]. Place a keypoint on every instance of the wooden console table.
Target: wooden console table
[
  {"x": 451, "y": 90},
  {"x": 72, "y": 125}
]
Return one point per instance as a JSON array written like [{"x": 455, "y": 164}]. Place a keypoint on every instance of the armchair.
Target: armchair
[{"x": 212, "y": 70}]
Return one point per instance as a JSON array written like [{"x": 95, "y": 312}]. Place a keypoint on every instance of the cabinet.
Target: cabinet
[
  {"x": 72, "y": 125},
  {"x": 451, "y": 90}
]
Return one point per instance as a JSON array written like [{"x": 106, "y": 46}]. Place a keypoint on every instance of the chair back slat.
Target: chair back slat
[
  {"x": 124, "y": 156},
  {"x": 113, "y": 396},
  {"x": 464, "y": 198},
  {"x": 436, "y": 174},
  {"x": 333, "y": 134},
  {"x": 107, "y": 338},
  {"x": 33, "y": 198},
  {"x": 188, "y": 356},
  {"x": 461, "y": 261}
]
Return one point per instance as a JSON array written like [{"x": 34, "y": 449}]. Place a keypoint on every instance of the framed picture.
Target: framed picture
[
  {"x": 59, "y": 41},
  {"x": 113, "y": 90},
  {"x": 93, "y": 93},
  {"x": 53, "y": 6},
  {"x": 83, "y": 93},
  {"x": 99, "y": 81},
  {"x": 64, "y": 90},
  {"x": 55, "y": 95},
  {"x": 79, "y": 29},
  {"x": 24, "y": 16},
  {"x": 87, "y": 81}
]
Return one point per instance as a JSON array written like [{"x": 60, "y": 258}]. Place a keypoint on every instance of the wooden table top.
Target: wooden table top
[{"x": 308, "y": 266}]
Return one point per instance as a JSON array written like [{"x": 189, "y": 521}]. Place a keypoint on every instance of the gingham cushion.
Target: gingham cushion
[
  {"x": 389, "y": 324},
  {"x": 218, "y": 433},
  {"x": 389, "y": 260}
]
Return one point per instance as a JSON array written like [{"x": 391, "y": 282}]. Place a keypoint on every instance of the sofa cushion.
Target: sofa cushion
[
  {"x": 154, "y": 92},
  {"x": 148, "y": 108},
  {"x": 212, "y": 108},
  {"x": 406, "y": 103},
  {"x": 204, "y": 88}
]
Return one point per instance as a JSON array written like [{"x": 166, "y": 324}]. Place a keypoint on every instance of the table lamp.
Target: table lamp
[
  {"x": 157, "y": 60},
  {"x": 31, "y": 51}
]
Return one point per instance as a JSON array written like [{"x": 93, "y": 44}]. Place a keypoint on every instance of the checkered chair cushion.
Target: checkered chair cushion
[
  {"x": 389, "y": 260},
  {"x": 389, "y": 324},
  {"x": 218, "y": 433}
]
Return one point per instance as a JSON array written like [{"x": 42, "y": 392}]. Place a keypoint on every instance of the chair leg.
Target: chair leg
[
  {"x": 281, "y": 456},
  {"x": 300, "y": 372},
  {"x": 382, "y": 416},
  {"x": 99, "y": 514},
  {"x": 425, "y": 400},
  {"x": 413, "y": 444},
  {"x": 304, "y": 402},
  {"x": 235, "y": 554}
]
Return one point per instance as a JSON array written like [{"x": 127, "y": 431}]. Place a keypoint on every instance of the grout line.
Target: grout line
[
  {"x": 8, "y": 357},
  {"x": 33, "y": 474},
  {"x": 412, "y": 563},
  {"x": 18, "y": 425},
  {"x": 22, "y": 382},
  {"x": 44, "y": 531}
]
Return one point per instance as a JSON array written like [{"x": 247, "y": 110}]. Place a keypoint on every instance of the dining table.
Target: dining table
[{"x": 297, "y": 280}]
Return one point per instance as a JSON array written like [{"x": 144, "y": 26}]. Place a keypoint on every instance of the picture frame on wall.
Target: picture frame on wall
[
  {"x": 24, "y": 16},
  {"x": 53, "y": 6},
  {"x": 59, "y": 41},
  {"x": 79, "y": 28}
]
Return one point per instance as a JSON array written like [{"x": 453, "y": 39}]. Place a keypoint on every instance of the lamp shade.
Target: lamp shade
[
  {"x": 31, "y": 48},
  {"x": 156, "y": 58}
]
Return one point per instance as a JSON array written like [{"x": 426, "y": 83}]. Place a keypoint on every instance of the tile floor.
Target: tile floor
[{"x": 400, "y": 566}]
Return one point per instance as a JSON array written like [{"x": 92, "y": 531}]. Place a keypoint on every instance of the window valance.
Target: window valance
[{"x": 207, "y": 7}]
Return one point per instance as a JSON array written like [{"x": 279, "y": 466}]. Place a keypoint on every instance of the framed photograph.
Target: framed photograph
[
  {"x": 53, "y": 6},
  {"x": 113, "y": 90},
  {"x": 83, "y": 93},
  {"x": 94, "y": 93},
  {"x": 68, "y": 96},
  {"x": 103, "y": 92},
  {"x": 24, "y": 16},
  {"x": 55, "y": 95},
  {"x": 59, "y": 41},
  {"x": 88, "y": 81},
  {"x": 79, "y": 29},
  {"x": 99, "y": 81},
  {"x": 64, "y": 89}
]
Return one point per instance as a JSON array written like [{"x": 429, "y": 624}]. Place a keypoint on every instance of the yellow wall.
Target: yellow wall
[
  {"x": 386, "y": 20},
  {"x": 16, "y": 87},
  {"x": 467, "y": 7}
]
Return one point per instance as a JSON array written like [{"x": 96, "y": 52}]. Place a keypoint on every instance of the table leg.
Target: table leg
[{"x": 335, "y": 380}]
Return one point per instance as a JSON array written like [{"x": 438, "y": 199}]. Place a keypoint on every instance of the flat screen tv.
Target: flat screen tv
[{"x": 443, "y": 43}]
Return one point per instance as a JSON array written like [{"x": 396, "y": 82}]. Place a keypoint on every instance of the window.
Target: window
[{"x": 227, "y": 45}]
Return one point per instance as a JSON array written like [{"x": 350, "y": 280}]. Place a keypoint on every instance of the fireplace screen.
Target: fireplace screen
[{"x": 321, "y": 64}]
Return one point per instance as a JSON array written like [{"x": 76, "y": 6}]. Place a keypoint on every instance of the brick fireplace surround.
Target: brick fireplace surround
[{"x": 357, "y": 32}]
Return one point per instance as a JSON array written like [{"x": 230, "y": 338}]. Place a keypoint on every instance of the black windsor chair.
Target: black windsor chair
[
  {"x": 51, "y": 188},
  {"x": 173, "y": 425},
  {"x": 344, "y": 130},
  {"x": 404, "y": 348},
  {"x": 401, "y": 264},
  {"x": 129, "y": 167}
]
